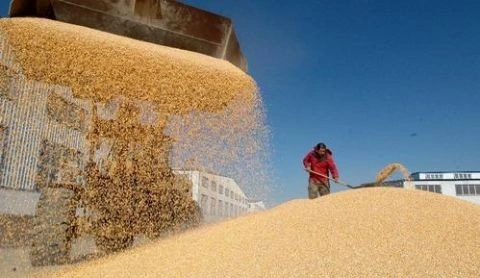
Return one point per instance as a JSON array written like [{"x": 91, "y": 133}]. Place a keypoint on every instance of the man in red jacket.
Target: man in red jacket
[{"x": 320, "y": 160}]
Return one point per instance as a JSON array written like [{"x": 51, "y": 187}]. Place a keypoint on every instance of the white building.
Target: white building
[
  {"x": 464, "y": 185},
  {"x": 219, "y": 197},
  {"x": 33, "y": 122},
  {"x": 254, "y": 206}
]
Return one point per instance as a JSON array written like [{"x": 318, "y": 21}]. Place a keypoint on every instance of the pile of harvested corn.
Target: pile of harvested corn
[{"x": 375, "y": 232}]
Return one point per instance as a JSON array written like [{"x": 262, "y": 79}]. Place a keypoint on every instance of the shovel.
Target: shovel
[{"x": 339, "y": 182}]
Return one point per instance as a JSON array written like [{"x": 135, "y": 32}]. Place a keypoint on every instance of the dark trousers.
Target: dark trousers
[{"x": 317, "y": 188}]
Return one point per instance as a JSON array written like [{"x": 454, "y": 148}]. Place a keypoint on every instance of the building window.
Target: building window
[
  {"x": 204, "y": 204},
  {"x": 467, "y": 189},
  {"x": 471, "y": 189},
  {"x": 434, "y": 176},
  {"x": 458, "y": 189},
  {"x": 227, "y": 192},
  {"x": 220, "y": 189},
  {"x": 462, "y": 176},
  {"x": 205, "y": 182},
  {"x": 213, "y": 209},
  {"x": 220, "y": 208},
  {"x": 436, "y": 188},
  {"x": 213, "y": 186}
]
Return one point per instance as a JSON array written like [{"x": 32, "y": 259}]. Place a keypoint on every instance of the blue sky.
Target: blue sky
[
  {"x": 4, "y": 7},
  {"x": 377, "y": 81}
]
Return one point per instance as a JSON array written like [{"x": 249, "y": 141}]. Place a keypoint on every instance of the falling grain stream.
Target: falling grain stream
[{"x": 127, "y": 112}]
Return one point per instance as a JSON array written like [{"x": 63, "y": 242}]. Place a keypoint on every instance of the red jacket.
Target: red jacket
[{"x": 322, "y": 167}]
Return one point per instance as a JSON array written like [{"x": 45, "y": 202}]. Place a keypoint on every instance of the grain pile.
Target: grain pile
[
  {"x": 137, "y": 109},
  {"x": 374, "y": 232}
]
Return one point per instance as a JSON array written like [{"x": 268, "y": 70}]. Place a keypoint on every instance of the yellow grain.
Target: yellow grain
[
  {"x": 197, "y": 108},
  {"x": 374, "y": 232}
]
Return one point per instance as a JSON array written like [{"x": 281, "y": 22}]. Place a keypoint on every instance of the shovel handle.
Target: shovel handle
[{"x": 325, "y": 176}]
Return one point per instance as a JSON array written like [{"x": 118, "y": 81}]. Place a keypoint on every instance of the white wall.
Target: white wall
[
  {"x": 210, "y": 191},
  {"x": 448, "y": 188}
]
